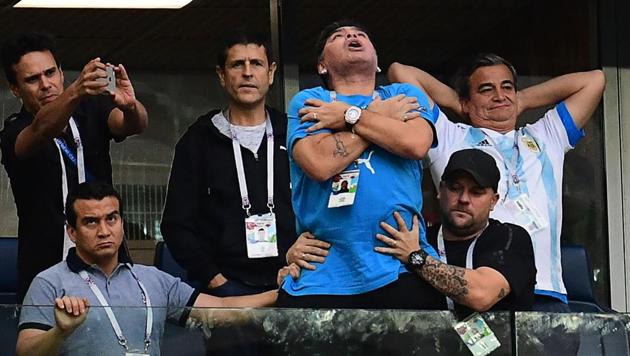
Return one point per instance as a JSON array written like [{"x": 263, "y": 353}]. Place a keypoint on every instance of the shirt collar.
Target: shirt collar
[
  {"x": 221, "y": 122},
  {"x": 76, "y": 264}
]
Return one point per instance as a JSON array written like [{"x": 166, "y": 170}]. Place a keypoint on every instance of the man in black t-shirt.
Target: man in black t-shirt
[
  {"x": 484, "y": 264},
  {"x": 59, "y": 139}
]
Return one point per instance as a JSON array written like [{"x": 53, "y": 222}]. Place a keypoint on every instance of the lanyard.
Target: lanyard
[
  {"x": 240, "y": 170},
  {"x": 110, "y": 314},
  {"x": 511, "y": 167},
  {"x": 80, "y": 164},
  {"x": 469, "y": 256}
]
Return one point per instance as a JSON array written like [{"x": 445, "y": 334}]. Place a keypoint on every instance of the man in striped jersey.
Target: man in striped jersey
[{"x": 530, "y": 158}]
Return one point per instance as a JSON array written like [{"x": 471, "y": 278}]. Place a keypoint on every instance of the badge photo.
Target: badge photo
[
  {"x": 261, "y": 236},
  {"x": 343, "y": 188}
]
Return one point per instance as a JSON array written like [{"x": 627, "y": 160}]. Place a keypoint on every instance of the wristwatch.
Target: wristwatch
[
  {"x": 417, "y": 259},
  {"x": 352, "y": 115}
]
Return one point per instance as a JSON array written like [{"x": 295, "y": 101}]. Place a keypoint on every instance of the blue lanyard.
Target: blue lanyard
[{"x": 71, "y": 156}]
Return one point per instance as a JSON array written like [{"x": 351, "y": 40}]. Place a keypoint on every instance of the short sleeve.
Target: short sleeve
[
  {"x": 446, "y": 131},
  {"x": 8, "y": 136},
  {"x": 573, "y": 132},
  {"x": 513, "y": 257},
  {"x": 557, "y": 127},
  {"x": 38, "y": 306},
  {"x": 180, "y": 295},
  {"x": 297, "y": 130},
  {"x": 427, "y": 111},
  {"x": 452, "y": 137}
]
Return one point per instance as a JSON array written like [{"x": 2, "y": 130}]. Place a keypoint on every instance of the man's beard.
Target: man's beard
[{"x": 469, "y": 228}]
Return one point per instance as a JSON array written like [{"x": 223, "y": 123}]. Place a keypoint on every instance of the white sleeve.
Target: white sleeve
[
  {"x": 551, "y": 130},
  {"x": 449, "y": 135}
]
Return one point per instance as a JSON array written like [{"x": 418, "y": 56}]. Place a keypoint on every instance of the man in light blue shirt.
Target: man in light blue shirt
[
  {"x": 57, "y": 318},
  {"x": 373, "y": 138}
]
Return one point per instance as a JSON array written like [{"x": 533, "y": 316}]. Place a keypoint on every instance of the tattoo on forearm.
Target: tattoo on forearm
[
  {"x": 340, "y": 147},
  {"x": 446, "y": 278},
  {"x": 501, "y": 294}
]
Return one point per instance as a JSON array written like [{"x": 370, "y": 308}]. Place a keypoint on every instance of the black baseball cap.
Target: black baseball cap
[{"x": 479, "y": 164}]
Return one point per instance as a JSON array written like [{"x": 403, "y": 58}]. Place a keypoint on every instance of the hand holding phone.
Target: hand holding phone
[{"x": 111, "y": 79}]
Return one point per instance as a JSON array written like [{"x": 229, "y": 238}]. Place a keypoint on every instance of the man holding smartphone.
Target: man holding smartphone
[{"x": 60, "y": 138}]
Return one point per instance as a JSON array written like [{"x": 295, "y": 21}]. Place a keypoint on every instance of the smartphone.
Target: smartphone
[{"x": 111, "y": 79}]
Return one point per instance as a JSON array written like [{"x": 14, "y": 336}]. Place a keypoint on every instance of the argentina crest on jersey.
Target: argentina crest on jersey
[{"x": 530, "y": 144}]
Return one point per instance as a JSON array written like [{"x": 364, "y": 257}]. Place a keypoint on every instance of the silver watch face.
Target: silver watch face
[
  {"x": 416, "y": 259},
  {"x": 352, "y": 115}
]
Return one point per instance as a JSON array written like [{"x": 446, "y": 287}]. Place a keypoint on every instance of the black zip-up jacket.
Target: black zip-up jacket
[{"x": 203, "y": 221}]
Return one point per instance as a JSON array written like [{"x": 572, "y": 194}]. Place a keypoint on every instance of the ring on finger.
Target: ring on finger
[
  {"x": 303, "y": 255},
  {"x": 314, "y": 115}
]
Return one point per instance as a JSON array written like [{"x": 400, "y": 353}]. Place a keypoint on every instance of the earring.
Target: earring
[
  {"x": 378, "y": 69},
  {"x": 323, "y": 71}
]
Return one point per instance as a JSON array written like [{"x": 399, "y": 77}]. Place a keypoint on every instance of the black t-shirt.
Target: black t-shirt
[
  {"x": 504, "y": 247},
  {"x": 36, "y": 182}
]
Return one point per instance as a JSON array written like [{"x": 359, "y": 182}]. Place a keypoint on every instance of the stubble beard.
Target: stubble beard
[{"x": 460, "y": 230}]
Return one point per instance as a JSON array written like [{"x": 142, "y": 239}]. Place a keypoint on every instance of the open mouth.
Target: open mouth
[
  {"x": 248, "y": 86},
  {"x": 354, "y": 44}
]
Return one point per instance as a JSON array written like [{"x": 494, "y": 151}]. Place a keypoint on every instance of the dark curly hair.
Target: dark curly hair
[{"x": 20, "y": 44}]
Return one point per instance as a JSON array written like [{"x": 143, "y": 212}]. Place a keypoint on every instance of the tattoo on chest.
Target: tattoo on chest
[
  {"x": 340, "y": 147},
  {"x": 446, "y": 278}
]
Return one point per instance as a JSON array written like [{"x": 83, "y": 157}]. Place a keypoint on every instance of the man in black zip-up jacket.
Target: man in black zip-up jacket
[
  {"x": 224, "y": 227},
  {"x": 203, "y": 221},
  {"x": 205, "y": 217}
]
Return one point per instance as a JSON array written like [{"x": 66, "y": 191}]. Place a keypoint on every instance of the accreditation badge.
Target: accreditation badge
[
  {"x": 477, "y": 336},
  {"x": 261, "y": 236},
  {"x": 525, "y": 214},
  {"x": 344, "y": 188}
]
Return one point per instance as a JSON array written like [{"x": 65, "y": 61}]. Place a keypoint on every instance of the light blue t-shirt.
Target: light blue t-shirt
[{"x": 387, "y": 183}]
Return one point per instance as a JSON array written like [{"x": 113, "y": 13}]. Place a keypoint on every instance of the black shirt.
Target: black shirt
[
  {"x": 36, "y": 183},
  {"x": 203, "y": 221},
  {"x": 504, "y": 247}
]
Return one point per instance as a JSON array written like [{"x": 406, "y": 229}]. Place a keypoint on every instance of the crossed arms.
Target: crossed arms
[{"x": 390, "y": 124}]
